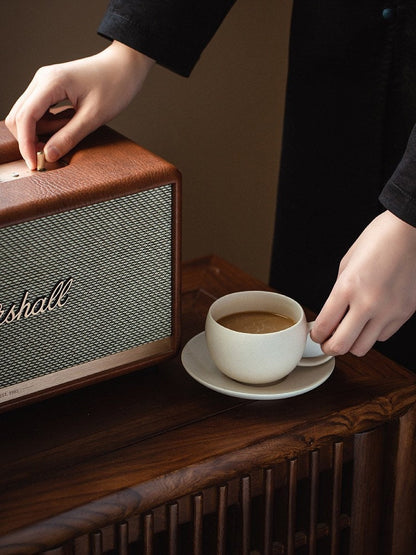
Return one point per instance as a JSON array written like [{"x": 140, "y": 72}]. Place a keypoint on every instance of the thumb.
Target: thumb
[{"x": 68, "y": 137}]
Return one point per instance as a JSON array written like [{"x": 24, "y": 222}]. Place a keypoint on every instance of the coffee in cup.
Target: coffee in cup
[
  {"x": 256, "y": 321},
  {"x": 256, "y": 337}
]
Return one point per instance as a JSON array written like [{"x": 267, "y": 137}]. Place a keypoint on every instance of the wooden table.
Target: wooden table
[{"x": 153, "y": 462}]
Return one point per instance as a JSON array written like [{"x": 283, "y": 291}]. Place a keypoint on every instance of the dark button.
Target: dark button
[{"x": 388, "y": 13}]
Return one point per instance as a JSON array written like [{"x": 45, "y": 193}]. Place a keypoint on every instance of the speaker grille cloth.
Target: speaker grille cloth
[{"x": 119, "y": 255}]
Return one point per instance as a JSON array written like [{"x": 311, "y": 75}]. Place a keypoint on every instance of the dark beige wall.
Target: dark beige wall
[{"x": 221, "y": 127}]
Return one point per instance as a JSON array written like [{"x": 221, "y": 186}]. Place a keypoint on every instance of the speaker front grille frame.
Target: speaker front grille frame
[{"x": 117, "y": 259}]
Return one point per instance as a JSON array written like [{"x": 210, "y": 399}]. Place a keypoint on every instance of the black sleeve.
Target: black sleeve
[
  {"x": 399, "y": 193},
  {"x": 172, "y": 32}
]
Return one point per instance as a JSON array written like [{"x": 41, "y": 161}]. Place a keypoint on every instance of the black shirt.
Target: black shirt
[{"x": 175, "y": 32}]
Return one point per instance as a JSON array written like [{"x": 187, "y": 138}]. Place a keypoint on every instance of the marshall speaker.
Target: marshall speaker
[{"x": 90, "y": 262}]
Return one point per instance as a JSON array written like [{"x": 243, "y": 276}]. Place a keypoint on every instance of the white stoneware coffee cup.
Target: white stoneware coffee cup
[{"x": 259, "y": 358}]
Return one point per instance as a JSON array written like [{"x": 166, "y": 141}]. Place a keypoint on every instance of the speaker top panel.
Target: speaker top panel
[{"x": 103, "y": 166}]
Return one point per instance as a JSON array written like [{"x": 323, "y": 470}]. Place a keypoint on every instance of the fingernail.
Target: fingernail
[
  {"x": 30, "y": 164},
  {"x": 52, "y": 154}
]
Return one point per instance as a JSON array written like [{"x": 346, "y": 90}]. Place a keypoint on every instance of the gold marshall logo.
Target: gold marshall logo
[{"x": 56, "y": 299}]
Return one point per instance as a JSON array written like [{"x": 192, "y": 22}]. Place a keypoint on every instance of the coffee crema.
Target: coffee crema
[{"x": 256, "y": 321}]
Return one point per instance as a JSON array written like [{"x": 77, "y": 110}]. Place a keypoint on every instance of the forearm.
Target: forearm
[
  {"x": 399, "y": 194},
  {"x": 173, "y": 32},
  {"x": 125, "y": 67}
]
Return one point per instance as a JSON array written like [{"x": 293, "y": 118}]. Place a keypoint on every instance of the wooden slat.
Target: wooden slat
[
  {"x": 96, "y": 543},
  {"x": 268, "y": 511},
  {"x": 198, "y": 524},
  {"x": 336, "y": 496},
  {"x": 173, "y": 518},
  {"x": 314, "y": 499},
  {"x": 246, "y": 513},
  {"x": 291, "y": 506},
  {"x": 404, "y": 529},
  {"x": 367, "y": 493},
  {"x": 123, "y": 538},
  {"x": 148, "y": 533},
  {"x": 222, "y": 520}
]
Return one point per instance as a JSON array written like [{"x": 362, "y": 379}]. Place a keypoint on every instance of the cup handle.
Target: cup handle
[
  {"x": 312, "y": 349},
  {"x": 313, "y": 355}
]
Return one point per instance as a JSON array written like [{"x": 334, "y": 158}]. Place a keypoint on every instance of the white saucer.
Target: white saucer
[
  {"x": 314, "y": 361},
  {"x": 199, "y": 365}
]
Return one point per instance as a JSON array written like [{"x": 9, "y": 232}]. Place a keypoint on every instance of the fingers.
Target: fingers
[
  {"x": 23, "y": 128},
  {"x": 358, "y": 336},
  {"x": 353, "y": 335},
  {"x": 338, "y": 332},
  {"x": 349, "y": 322},
  {"x": 374, "y": 293},
  {"x": 98, "y": 87},
  {"x": 52, "y": 122},
  {"x": 30, "y": 116},
  {"x": 29, "y": 109},
  {"x": 329, "y": 318},
  {"x": 68, "y": 135}
]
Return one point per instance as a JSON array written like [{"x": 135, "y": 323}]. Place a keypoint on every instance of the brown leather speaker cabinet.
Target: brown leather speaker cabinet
[{"x": 90, "y": 264}]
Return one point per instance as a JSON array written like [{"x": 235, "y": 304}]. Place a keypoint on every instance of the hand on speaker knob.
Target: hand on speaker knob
[{"x": 96, "y": 89}]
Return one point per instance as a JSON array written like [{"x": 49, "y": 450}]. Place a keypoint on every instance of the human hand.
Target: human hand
[
  {"x": 375, "y": 291},
  {"x": 97, "y": 88}
]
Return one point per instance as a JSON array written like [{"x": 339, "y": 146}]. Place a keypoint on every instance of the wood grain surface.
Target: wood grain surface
[{"x": 86, "y": 459}]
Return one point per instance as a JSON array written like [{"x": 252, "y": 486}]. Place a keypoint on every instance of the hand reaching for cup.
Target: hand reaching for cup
[
  {"x": 97, "y": 88},
  {"x": 375, "y": 292}
]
